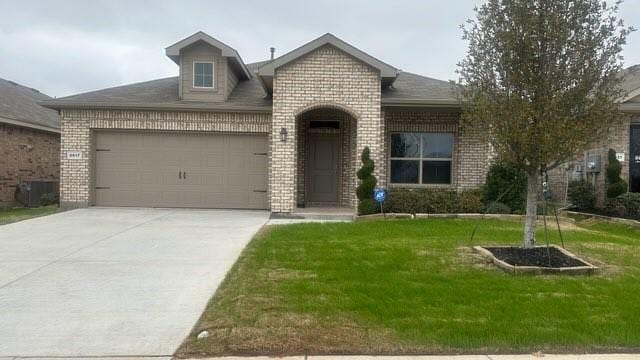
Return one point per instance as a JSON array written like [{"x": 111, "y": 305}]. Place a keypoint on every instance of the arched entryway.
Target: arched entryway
[{"x": 326, "y": 143}]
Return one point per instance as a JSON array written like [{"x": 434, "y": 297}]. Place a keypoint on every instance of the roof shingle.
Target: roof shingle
[{"x": 21, "y": 104}]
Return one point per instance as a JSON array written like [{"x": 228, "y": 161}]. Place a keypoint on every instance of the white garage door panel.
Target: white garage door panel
[{"x": 142, "y": 169}]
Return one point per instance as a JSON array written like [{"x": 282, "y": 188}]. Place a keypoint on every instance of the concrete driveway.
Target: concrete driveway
[{"x": 113, "y": 281}]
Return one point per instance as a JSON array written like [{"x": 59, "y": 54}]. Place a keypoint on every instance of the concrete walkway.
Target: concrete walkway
[
  {"x": 454, "y": 357},
  {"x": 112, "y": 281}
]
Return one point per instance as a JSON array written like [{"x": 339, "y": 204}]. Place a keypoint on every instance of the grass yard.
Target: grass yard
[
  {"x": 19, "y": 214},
  {"x": 414, "y": 286}
]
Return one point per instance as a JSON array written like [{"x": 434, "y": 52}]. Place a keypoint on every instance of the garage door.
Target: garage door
[{"x": 181, "y": 170}]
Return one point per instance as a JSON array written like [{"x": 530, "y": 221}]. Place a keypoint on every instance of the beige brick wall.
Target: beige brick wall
[
  {"x": 327, "y": 77},
  {"x": 26, "y": 154},
  {"x": 78, "y": 125},
  {"x": 616, "y": 139},
  {"x": 471, "y": 155}
]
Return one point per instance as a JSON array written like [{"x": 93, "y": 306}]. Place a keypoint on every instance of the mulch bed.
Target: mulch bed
[{"x": 538, "y": 256}]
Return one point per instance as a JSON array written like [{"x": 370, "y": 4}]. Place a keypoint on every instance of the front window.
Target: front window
[
  {"x": 421, "y": 158},
  {"x": 203, "y": 74}
]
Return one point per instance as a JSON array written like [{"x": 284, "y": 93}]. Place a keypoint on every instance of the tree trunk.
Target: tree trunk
[{"x": 531, "y": 214}]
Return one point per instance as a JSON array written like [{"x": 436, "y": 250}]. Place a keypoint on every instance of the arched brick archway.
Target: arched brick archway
[
  {"x": 327, "y": 105},
  {"x": 317, "y": 127}
]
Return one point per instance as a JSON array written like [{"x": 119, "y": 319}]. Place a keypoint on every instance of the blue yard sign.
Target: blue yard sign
[{"x": 380, "y": 195}]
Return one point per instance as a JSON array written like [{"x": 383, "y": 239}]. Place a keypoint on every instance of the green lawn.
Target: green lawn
[
  {"x": 19, "y": 214},
  {"x": 414, "y": 286}
]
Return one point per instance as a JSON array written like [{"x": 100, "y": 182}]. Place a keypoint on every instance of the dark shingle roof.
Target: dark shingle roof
[
  {"x": 409, "y": 86},
  {"x": 19, "y": 104},
  {"x": 163, "y": 93},
  {"x": 631, "y": 82},
  {"x": 249, "y": 94}
]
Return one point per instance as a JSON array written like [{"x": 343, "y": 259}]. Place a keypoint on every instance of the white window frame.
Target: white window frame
[
  {"x": 420, "y": 159},
  {"x": 213, "y": 74}
]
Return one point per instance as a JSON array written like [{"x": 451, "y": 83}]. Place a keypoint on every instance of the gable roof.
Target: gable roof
[
  {"x": 162, "y": 94},
  {"x": 239, "y": 67},
  {"x": 631, "y": 86},
  {"x": 388, "y": 73},
  {"x": 19, "y": 105},
  {"x": 416, "y": 90}
]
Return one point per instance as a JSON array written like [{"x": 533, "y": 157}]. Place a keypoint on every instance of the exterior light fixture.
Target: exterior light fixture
[{"x": 283, "y": 134}]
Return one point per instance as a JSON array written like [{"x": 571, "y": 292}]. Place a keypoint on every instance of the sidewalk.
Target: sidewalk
[{"x": 453, "y": 357}]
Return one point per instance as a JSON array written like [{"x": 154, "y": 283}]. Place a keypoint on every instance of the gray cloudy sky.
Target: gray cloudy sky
[{"x": 62, "y": 47}]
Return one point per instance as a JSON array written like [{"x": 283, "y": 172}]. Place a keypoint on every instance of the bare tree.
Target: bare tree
[{"x": 541, "y": 76}]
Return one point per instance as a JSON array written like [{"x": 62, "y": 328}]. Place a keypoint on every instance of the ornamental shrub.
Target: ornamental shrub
[
  {"x": 471, "y": 201},
  {"x": 625, "y": 205},
  {"x": 582, "y": 195},
  {"x": 49, "y": 199},
  {"x": 500, "y": 177},
  {"x": 364, "y": 191},
  {"x": 434, "y": 201},
  {"x": 498, "y": 208},
  {"x": 615, "y": 184}
]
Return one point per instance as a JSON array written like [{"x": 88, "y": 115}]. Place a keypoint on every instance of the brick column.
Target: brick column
[
  {"x": 282, "y": 177},
  {"x": 74, "y": 173}
]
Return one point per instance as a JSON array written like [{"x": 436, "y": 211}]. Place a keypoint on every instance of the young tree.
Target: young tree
[{"x": 541, "y": 77}]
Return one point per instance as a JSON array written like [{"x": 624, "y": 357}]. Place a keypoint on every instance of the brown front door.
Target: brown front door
[{"x": 322, "y": 170}]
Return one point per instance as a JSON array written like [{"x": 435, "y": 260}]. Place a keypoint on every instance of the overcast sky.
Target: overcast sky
[{"x": 63, "y": 47}]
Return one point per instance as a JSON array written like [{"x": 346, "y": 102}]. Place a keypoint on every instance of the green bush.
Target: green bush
[
  {"x": 471, "y": 201},
  {"x": 498, "y": 208},
  {"x": 364, "y": 191},
  {"x": 49, "y": 199},
  {"x": 500, "y": 177},
  {"x": 625, "y": 205},
  {"x": 615, "y": 184},
  {"x": 582, "y": 195},
  {"x": 434, "y": 201}
]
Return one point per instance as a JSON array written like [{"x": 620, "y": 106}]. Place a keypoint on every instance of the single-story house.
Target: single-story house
[
  {"x": 29, "y": 139},
  {"x": 623, "y": 137},
  {"x": 281, "y": 134}
]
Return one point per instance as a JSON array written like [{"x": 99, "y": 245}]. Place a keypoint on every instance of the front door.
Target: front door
[
  {"x": 634, "y": 159},
  {"x": 322, "y": 169}
]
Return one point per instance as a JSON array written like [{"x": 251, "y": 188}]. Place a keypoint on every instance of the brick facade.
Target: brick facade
[
  {"x": 77, "y": 127},
  {"x": 617, "y": 139},
  {"x": 324, "y": 78},
  {"x": 471, "y": 155},
  {"x": 26, "y": 154}
]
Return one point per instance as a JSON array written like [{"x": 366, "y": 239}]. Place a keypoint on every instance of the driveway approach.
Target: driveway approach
[{"x": 113, "y": 281}]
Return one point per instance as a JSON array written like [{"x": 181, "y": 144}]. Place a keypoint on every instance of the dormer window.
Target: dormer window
[{"x": 203, "y": 74}]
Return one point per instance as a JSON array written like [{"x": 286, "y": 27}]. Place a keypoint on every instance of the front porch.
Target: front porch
[{"x": 326, "y": 162}]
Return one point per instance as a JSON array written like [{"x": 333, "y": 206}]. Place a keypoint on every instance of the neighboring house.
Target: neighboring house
[
  {"x": 29, "y": 139},
  {"x": 279, "y": 134},
  {"x": 623, "y": 137}
]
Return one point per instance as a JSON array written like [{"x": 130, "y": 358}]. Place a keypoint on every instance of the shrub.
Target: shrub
[
  {"x": 471, "y": 201},
  {"x": 582, "y": 195},
  {"x": 500, "y": 177},
  {"x": 615, "y": 184},
  {"x": 49, "y": 199},
  {"x": 401, "y": 201},
  {"x": 364, "y": 191},
  {"x": 434, "y": 201},
  {"x": 498, "y": 208},
  {"x": 625, "y": 205}
]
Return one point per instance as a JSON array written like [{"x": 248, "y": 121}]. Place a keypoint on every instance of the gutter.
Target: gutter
[
  {"x": 25, "y": 124},
  {"x": 59, "y": 105},
  {"x": 630, "y": 107},
  {"x": 435, "y": 103}
]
